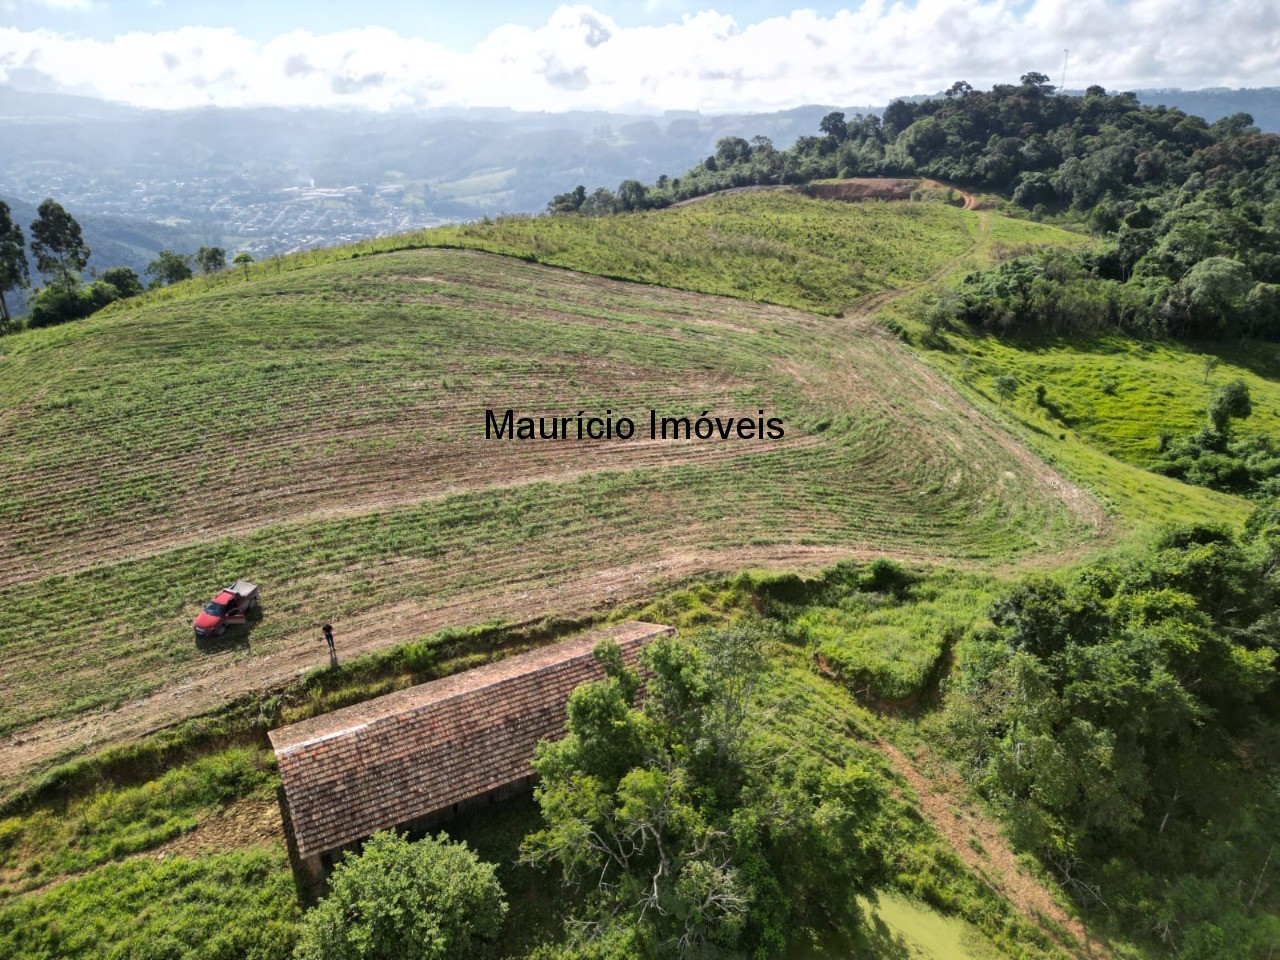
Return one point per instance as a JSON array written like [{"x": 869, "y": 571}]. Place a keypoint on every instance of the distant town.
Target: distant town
[{"x": 247, "y": 215}]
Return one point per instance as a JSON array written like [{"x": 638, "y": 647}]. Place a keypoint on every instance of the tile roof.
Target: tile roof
[{"x": 416, "y": 752}]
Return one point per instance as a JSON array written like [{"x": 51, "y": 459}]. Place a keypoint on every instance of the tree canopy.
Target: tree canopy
[
  {"x": 58, "y": 245},
  {"x": 169, "y": 267},
  {"x": 432, "y": 899},
  {"x": 1111, "y": 713},
  {"x": 1190, "y": 209},
  {"x": 211, "y": 259},
  {"x": 683, "y": 832},
  {"x": 13, "y": 261}
]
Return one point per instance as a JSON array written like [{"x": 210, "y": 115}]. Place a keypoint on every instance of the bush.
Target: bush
[
  {"x": 1115, "y": 713},
  {"x": 55, "y": 305},
  {"x": 677, "y": 823},
  {"x": 127, "y": 283},
  {"x": 397, "y": 899},
  {"x": 1211, "y": 458}
]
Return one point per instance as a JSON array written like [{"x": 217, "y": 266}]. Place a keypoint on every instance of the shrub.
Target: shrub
[
  {"x": 426, "y": 899},
  {"x": 127, "y": 283},
  {"x": 54, "y": 305}
]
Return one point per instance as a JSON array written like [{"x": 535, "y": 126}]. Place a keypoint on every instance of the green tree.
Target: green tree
[
  {"x": 13, "y": 262},
  {"x": 1209, "y": 364},
  {"x": 55, "y": 304},
  {"x": 1156, "y": 668},
  {"x": 680, "y": 826},
  {"x": 570, "y": 202},
  {"x": 169, "y": 267},
  {"x": 1229, "y": 402},
  {"x": 731, "y": 150},
  {"x": 632, "y": 195},
  {"x": 242, "y": 260},
  {"x": 1217, "y": 289},
  {"x": 1263, "y": 308},
  {"x": 1036, "y": 81},
  {"x": 126, "y": 282},
  {"x": 599, "y": 203},
  {"x": 432, "y": 899},
  {"x": 211, "y": 260},
  {"x": 1006, "y": 385},
  {"x": 58, "y": 245},
  {"x": 834, "y": 126}
]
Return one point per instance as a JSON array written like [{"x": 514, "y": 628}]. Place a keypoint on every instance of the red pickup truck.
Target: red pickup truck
[{"x": 231, "y": 605}]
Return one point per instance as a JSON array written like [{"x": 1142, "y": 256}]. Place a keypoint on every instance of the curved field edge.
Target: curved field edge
[
  {"x": 777, "y": 247},
  {"x": 884, "y": 458},
  {"x": 1107, "y": 399},
  {"x": 1115, "y": 408},
  {"x": 1105, "y": 446}
]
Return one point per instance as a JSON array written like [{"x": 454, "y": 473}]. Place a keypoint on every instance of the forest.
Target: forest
[{"x": 1190, "y": 210}]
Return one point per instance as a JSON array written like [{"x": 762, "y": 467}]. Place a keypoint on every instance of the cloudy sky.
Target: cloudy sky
[{"x": 663, "y": 54}]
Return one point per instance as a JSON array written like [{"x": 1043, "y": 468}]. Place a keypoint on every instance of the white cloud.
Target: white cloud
[{"x": 581, "y": 58}]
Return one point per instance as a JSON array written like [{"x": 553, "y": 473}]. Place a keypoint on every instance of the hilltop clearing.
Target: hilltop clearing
[
  {"x": 772, "y": 245},
  {"x": 322, "y": 432},
  {"x": 891, "y": 265}
]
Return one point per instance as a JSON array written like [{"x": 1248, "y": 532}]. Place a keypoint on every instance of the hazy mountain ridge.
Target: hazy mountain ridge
[{"x": 272, "y": 180}]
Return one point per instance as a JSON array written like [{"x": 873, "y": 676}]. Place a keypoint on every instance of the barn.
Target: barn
[{"x": 418, "y": 756}]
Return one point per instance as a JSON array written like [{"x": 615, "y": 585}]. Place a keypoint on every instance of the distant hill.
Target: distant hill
[
  {"x": 113, "y": 241},
  {"x": 1263, "y": 103},
  {"x": 275, "y": 179}
]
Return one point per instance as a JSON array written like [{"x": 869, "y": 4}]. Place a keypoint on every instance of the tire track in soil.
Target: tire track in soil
[{"x": 213, "y": 683}]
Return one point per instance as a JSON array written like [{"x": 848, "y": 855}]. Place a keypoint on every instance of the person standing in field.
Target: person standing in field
[{"x": 328, "y": 636}]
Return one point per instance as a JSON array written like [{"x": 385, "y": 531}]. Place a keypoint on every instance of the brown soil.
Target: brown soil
[
  {"x": 252, "y": 822},
  {"x": 568, "y": 587},
  {"x": 993, "y": 859},
  {"x": 853, "y": 190},
  {"x": 970, "y": 201},
  {"x": 863, "y": 188}
]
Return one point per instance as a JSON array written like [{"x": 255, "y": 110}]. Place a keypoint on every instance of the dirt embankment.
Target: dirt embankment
[
  {"x": 856, "y": 190},
  {"x": 980, "y": 844},
  {"x": 863, "y": 188}
]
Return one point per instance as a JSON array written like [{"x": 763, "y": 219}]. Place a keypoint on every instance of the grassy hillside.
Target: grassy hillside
[
  {"x": 319, "y": 427},
  {"x": 1116, "y": 394},
  {"x": 1107, "y": 399},
  {"x": 772, "y": 246},
  {"x": 776, "y": 247},
  {"x": 321, "y": 431},
  {"x": 1120, "y": 393},
  {"x": 192, "y": 860}
]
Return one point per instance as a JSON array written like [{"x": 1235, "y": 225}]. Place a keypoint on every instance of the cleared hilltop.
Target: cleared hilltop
[{"x": 321, "y": 430}]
